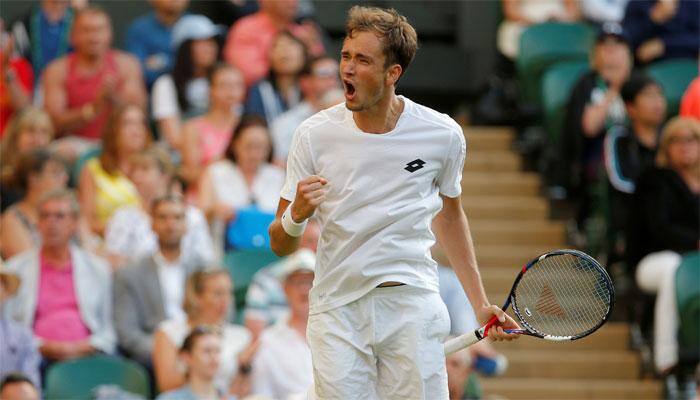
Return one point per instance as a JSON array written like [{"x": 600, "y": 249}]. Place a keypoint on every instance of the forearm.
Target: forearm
[
  {"x": 19, "y": 98},
  {"x": 71, "y": 118},
  {"x": 281, "y": 242}
]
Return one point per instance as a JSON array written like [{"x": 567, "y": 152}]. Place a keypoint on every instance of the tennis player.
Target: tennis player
[{"x": 376, "y": 171}]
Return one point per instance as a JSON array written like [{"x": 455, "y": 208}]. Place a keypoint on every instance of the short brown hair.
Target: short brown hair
[{"x": 400, "y": 40}]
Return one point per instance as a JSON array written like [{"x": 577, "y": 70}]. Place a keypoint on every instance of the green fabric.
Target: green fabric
[
  {"x": 545, "y": 44},
  {"x": 557, "y": 83},
  {"x": 688, "y": 301},
  {"x": 76, "y": 379},
  {"x": 674, "y": 76},
  {"x": 242, "y": 265}
]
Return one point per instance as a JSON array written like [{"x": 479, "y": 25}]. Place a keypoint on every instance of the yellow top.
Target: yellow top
[{"x": 112, "y": 191}]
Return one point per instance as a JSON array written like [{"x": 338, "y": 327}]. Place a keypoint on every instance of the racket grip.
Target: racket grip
[{"x": 460, "y": 342}]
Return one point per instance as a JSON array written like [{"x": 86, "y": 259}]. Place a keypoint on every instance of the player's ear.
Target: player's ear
[{"x": 393, "y": 74}]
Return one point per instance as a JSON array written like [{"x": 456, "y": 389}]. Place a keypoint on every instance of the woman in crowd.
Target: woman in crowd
[
  {"x": 205, "y": 138},
  {"x": 104, "y": 186},
  {"x": 665, "y": 223},
  {"x": 37, "y": 172},
  {"x": 277, "y": 93},
  {"x": 185, "y": 91},
  {"x": 201, "y": 353},
  {"x": 29, "y": 129},
  {"x": 245, "y": 177},
  {"x": 207, "y": 302}
]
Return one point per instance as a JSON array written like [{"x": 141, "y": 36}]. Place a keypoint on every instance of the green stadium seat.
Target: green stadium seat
[
  {"x": 242, "y": 265},
  {"x": 674, "y": 76},
  {"x": 688, "y": 303},
  {"x": 77, "y": 379},
  {"x": 545, "y": 44},
  {"x": 557, "y": 83},
  {"x": 80, "y": 163}
]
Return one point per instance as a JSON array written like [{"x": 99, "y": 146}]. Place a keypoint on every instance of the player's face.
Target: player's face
[{"x": 363, "y": 72}]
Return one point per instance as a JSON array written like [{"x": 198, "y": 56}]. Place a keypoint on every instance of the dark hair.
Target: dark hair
[
  {"x": 109, "y": 159},
  {"x": 183, "y": 70},
  {"x": 168, "y": 198},
  {"x": 637, "y": 82},
  {"x": 15, "y": 377},
  {"x": 197, "y": 332},
  {"x": 247, "y": 121},
  {"x": 33, "y": 163},
  {"x": 272, "y": 75}
]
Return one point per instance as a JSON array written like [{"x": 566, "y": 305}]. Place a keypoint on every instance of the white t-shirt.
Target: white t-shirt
[
  {"x": 171, "y": 276},
  {"x": 164, "y": 102},
  {"x": 235, "y": 339},
  {"x": 282, "y": 365},
  {"x": 383, "y": 192},
  {"x": 283, "y": 127},
  {"x": 231, "y": 188}
]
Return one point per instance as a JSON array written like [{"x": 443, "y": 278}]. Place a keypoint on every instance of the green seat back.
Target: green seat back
[
  {"x": 76, "y": 379},
  {"x": 688, "y": 300},
  {"x": 80, "y": 163},
  {"x": 545, "y": 44},
  {"x": 242, "y": 265},
  {"x": 674, "y": 76},
  {"x": 557, "y": 83}
]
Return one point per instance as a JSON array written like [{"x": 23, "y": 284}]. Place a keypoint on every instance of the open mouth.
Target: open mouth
[{"x": 349, "y": 90}]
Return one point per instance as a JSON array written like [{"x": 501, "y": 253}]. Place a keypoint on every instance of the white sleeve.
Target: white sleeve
[
  {"x": 450, "y": 178},
  {"x": 299, "y": 163},
  {"x": 164, "y": 98},
  {"x": 262, "y": 378},
  {"x": 119, "y": 233}
]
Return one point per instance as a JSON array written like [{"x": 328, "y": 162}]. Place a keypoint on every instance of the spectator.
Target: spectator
[
  {"x": 129, "y": 235},
  {"x": 660, "y": 29},
  {"x": 631, "y": 149},
  {"x": 65, "y": 295},
  {"x": 665, "y": 223},
  {"x": 204, "y": 139},
  {"x": 318, "y": 76},
  {"x": 265, "y": 300},
  {"x": 282, "y": 364},
  {"x": 279, "y": 91},
  {"x": 149, "y": 37},
  {"x": 16, "y": 82},
  {"x": 28, "y": 130},
  {"x": 519, "y": 14},
  {"x": 18, "y": 387},
  {"x": 201, "y": 353},
  {"x": 600, "y": 12},
  {"x": 207, "y": 302},
  {"x": 250, "y": 39},
  {"x": 245, "y": 177},
  {"x": 151, "y": 290},
  {"x": 38, "y": 172},
  {"x": 42, "y": 35},
  {"x": 690, "y": 104},
  {"x": 103, "y": 185},
  {"x": 84, "y": 87},
  {"x": 594, "y": 106},
  {"x": 458, "y": 367},
  {"x": 185, "y": 91},
  {"x": 18, "y": 352}
]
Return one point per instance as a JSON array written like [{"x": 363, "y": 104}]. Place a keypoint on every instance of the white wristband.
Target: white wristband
[{"x": 292, "y": 228}]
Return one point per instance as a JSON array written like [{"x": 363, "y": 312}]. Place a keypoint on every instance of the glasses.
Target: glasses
[
  {"x": 56, "y": 215},
  {"x": 683, "y": 139}
]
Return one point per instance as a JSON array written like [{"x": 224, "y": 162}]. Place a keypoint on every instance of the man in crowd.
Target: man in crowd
[{"x": 18, "y": 387}]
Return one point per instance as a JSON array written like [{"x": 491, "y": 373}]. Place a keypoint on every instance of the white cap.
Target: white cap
[
  {"x": 301, "y": 260},
  {"x": 195, "y": 27}
]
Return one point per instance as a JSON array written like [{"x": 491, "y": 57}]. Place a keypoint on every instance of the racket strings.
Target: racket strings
[{"x": 563, "y": 295}]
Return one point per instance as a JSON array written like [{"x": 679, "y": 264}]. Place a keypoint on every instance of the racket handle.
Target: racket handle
[{"x": 460, "y": 342}]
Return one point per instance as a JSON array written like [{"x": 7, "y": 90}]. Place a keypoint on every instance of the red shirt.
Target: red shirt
[
  {"x": 57, "y": 312},
  {"x": 25, "y": 76},
  {"x": 690, "y": 105}
]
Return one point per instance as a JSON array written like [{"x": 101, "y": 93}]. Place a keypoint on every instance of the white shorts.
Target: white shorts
[{"x": 386, "y": 345}]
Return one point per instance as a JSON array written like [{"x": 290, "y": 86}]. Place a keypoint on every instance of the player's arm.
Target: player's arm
[
  {"x": 452, "y": 230},
  {"x": 288, "y": 226}
]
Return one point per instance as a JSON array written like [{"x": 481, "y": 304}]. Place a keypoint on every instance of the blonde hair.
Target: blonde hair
[
  {"x": 671, "y": 130},
  {"x": 194, "y": 287},
  {"x": 399, "y": 39},
  {"x": 27, "y": 117}
]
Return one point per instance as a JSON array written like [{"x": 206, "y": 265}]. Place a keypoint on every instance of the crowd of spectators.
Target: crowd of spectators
[{"x": 123, "y": 172}]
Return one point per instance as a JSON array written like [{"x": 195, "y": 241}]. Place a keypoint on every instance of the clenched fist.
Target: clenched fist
[{"x": 311, "y": 192}]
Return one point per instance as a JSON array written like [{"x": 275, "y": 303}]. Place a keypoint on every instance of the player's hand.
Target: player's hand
[
  {"x": 311, "y": 192},
  {"x": 504, "y": 321}
]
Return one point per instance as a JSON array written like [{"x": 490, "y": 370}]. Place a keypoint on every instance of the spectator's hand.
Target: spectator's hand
[
  {"x": 663, "y": 11},
  {"x": 107, "y": 94},
  {"x": 311, "y": 192},
  {"x": 650, "y": 50},
  {"x": 496, "y": 332}
]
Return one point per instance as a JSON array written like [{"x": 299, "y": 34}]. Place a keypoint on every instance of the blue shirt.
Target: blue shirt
[
  {"x": 18, "y": 352},
  {"x": 53, "y": 40},
  {"x": 149, "y": 41}
]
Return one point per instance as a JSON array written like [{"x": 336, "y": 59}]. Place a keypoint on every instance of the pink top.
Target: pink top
[
  {"x": 57, "y": 313},
  {"x": 212, "y": 140},
  {"x": 249, "y": 41},
  {"x": 83, "y": 89}
]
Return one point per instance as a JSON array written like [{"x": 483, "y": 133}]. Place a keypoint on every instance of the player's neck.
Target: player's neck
[{"x": 382, "y": 117}]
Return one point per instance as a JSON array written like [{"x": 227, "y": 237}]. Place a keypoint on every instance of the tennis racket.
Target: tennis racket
[{"x": 560, "y": 295}]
